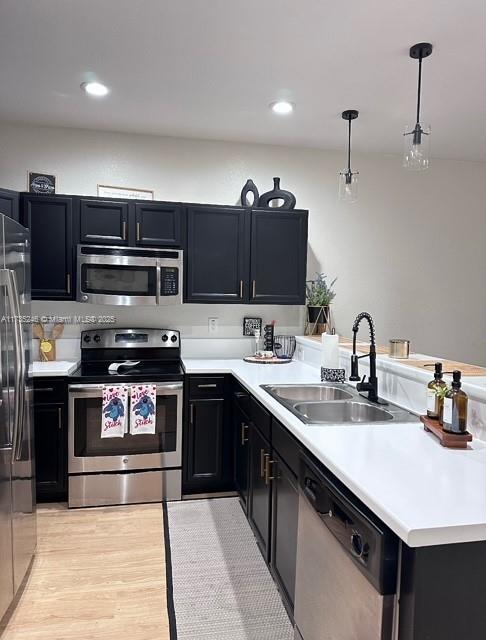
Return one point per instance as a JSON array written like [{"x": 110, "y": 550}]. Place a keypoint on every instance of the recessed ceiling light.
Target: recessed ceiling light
[
  {"x": 95, "y": 89},
  {"x": 282, "y": 107}
]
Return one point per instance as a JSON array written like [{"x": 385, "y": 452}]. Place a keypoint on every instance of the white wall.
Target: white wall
[{"x": 411, "y": 251}]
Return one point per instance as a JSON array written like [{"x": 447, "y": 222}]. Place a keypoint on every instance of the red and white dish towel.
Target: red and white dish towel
[
  {"x": 115, "y": 417},
  {"x": 143, "y": 403},
  {"x": 114, "y": 414}
]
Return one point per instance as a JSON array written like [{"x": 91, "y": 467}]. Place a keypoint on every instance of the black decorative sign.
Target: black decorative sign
[
  {"x": 250, "y": 325},
  {"x": 43, "y": 183}
]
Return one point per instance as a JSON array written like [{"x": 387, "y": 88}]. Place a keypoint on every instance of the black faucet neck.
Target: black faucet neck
[
  {"x": 364, "y": 315},
  {"x": 371, "y": 386}
]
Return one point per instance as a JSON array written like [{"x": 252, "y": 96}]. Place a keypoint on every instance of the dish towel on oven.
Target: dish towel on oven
[
  {"x": 143, "y": 401},
  {"x": 114, "y": 416}
]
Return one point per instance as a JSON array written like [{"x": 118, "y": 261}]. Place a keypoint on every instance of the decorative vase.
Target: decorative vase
[
  {"x": 278, "y": 194},
  {"x": 250, "y": 187},
  {"x": 317, "y": 320}
]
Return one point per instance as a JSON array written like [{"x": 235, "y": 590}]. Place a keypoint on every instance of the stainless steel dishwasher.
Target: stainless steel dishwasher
[{"x": 346, "y": 564}]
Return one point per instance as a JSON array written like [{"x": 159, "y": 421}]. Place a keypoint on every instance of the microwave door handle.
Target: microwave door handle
[
  {"x": 158, "y": 283},
  {"x": 20, "y": 359},
  {"x": 17, "y": 377}
]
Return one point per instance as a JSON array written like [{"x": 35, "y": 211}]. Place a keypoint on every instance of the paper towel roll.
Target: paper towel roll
[{"x": 330, "y": 351}]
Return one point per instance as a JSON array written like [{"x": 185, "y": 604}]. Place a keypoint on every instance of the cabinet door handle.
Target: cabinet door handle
[
  {"x": 59, "y": 418},
  {"x": 241, "y": 288},
  {"x": 254, "y": 289},
  {"x": 244, "y": 427},
  {"x": 68, "y": 282},
  {"x": 268, "y": 477},
  {"x": 192, "y": 413},
  {"x": 124, "y": 230},
  {"x": 263, "y": 463},
  {"x": 211, "y": 385},
  {"x": 138, "y": 231}
]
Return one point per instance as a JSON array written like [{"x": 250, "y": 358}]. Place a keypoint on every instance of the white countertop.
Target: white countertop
[
  {"x": 426, "y": 494},
  {"x": 60, "y": 368}
]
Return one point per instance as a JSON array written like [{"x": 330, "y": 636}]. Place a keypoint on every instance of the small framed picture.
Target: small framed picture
[
  {"x": 250, "y": 325},
  {"x": 43, "y": 183},
  {"x": 108, "y": 191}
]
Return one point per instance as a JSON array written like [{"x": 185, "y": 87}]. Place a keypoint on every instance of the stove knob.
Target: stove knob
[
  {"x": 165, "y": 337},
  {"x": 87, "y": 338},
  {"x": 97, "y": 338},
  {"x": 174, "y": 338}
]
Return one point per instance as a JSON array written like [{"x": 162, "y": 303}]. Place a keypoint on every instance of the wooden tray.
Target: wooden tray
[
  {"x": 273, "y": 360},
  {"x": 448, "y": 440}
]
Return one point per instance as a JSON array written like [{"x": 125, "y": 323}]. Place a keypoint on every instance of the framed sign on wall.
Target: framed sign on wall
[
  {"x": 109, "y": 191},
  {"x": 250, "y": 325},
  {"x": 44, "y": 183}
]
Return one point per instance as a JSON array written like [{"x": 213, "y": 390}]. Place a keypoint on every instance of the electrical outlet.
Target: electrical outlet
[{"x": 213, "y": 325}]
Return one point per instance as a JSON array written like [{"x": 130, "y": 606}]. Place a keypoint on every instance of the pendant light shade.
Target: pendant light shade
[
  {"x": 348, "y": 179},
  {"x": 416, "y": 138}
]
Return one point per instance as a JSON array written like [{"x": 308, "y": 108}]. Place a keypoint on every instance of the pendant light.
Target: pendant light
[
  {"x": 416, "y": 155},
  {"x": 348, "y": 180}
]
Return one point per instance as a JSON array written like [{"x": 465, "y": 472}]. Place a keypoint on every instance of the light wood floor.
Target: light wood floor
[{"x": 98, "y": 573}]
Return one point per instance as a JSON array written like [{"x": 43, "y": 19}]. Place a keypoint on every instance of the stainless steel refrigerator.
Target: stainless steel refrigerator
[{"x": 17, "y": 471}]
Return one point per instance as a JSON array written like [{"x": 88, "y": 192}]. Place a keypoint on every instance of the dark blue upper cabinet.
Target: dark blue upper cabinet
[
  {"x": 158, "y": 224},
  {"x": 103, "y": 221},
  {"x": 9, "y": 203},
  {"x": 278, "y": 262},
  {"x": 216, "y": 264}
]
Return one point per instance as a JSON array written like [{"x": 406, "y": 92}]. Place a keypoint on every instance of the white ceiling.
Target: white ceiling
[{"x": 209, "y": 69}]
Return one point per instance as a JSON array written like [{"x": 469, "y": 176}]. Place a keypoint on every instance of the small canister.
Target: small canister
[{"x": 399, "y": 349}]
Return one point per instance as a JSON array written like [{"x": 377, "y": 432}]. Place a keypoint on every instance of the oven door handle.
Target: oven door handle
[
  {"x": 171, "y": 386},
  {"x": 85, "y": 388}
]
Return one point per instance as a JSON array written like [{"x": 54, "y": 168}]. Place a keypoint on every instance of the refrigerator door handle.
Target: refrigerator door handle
[
  {"x": 21, "y": 360},
  {"x": 13, "y": 296}
]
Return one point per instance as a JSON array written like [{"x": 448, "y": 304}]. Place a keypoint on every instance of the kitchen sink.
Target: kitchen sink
[
  {"x": 341, "y": 412},
  {"x": 308, "y": 393},
  {"x": 332, "y": 403}
]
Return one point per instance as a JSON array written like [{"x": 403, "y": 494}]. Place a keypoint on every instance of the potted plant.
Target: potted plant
[{"x": 319, "y": 297}]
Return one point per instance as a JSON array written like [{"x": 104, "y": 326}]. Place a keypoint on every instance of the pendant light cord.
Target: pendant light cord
[{"x": 349, "y": 146}]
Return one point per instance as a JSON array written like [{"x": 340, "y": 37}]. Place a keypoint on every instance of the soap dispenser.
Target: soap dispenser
[
  {"x": 435, "y": 400},
  {"x": 455, "y": 407}
]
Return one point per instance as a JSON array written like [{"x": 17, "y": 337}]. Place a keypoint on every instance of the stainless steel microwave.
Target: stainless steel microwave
[{"x": 129, "y": 276}]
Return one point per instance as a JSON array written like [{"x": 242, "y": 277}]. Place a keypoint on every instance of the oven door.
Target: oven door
[
  {"x": 88, "y": 452},
  {"x": 117, "y": 280}
]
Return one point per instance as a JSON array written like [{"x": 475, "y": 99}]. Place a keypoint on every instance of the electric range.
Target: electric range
[{"x": 132, "y": 468}]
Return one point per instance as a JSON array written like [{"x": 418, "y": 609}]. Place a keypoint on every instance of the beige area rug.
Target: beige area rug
[
  {"x": 98, "y": 573},
  {"x": 222, "y": 588}
]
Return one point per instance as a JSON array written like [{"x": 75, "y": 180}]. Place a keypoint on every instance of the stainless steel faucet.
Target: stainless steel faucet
[{"x": 371, "y": 386}]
